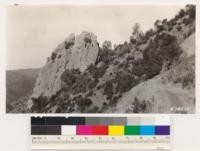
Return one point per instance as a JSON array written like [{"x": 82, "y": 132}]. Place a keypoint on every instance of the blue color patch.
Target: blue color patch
[{"x": 147, "y": 130}]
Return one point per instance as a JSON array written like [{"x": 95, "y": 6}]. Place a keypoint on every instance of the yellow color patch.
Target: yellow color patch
[{"x": 116, "y": 130}]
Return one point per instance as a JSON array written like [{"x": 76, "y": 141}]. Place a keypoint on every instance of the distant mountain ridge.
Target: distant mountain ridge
[{"x": 19, "y": 83}]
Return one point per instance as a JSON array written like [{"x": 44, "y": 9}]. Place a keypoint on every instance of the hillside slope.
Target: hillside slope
[
  {"x": 188, "y": 45},
  {"x": 157, "y": 96},
  {"x": 152, "y": 72}
]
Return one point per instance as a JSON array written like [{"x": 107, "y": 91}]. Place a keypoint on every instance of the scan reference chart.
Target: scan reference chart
[{"x": 83, "y": 133}]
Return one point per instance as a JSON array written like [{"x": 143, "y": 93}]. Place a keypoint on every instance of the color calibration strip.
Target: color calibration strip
[
  {"x": 100, "y": 130},
  {"x": 98, "y": 126},
  {"x": 100, "y": 133}
]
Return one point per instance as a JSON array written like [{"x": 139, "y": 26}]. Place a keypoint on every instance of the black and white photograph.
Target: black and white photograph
[{"x": 100, "y": 58}]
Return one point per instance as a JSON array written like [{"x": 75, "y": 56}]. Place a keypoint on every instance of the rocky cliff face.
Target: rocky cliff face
[{"x": 76, "y": 52}]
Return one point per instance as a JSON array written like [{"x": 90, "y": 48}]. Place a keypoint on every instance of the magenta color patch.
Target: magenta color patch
[{"x": 83, "y": 130}]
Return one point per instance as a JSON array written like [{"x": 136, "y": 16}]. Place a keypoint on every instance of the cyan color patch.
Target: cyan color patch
[{"x": 147, "y": 130}]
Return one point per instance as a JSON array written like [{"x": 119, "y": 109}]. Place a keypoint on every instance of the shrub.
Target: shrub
[
  {"x": 160, "y": 28},
  {"x": 81, "y": 84},
  {"x": 179, "y": 28},
  {"x": 59, "y": 56},
  {"x": 191, "y": 11},
  {"x": 138, "y": 70},
  {"x": 174, "y": 23},
  {"x": 181, "y": 13},
  {"x": 69, "y": 44},
  {"x": 114, "y": 100},
  {"x": 90, "y": 93},
  {"x": 77, "y": 81},
  {"x": 176, "y": 17},
  {"x": 108, "y": 90},
  {"x": 125, "y": 81},
  {"x": 148, "y": 34},
  {"x": 164, "y": 48},
  {"x": 39, "y": 104},
  {"x": 92, "y": 69},
  {"x": 170, "y": 28},
  {"x": 123, "y": 49},
  {"x": 121, "y": 65},
  {"x": 63, "y": 107},
  {"x": 140, "y": 107},
  {"x": 184, "y": 71},
  {"x": 87, "y": 40},
  {"x": 137, "y": 34},
  {"x": 152, "y": 69},
  {"x": 99, "y": 87},
  {"x": 149, "y": 67},
  {"x": 92, "y": 83},
  {"x": 53, "y": 56},
  {"x": 107, "y": 45},
  {"x": 105, "y": 104},
  {"x": 106, "y": 55},
  {"x": 116, "y": 62},
  {"x": 131, "y": 57},
  {"x": 169, "y": 48},
  {"x": 187, "y": 21},
  {"x": 97, "y": 72},
  {"x": 164, "y": 21},
  {"x": 70, "y": 76},
  {"x": 82, "y": 103}
]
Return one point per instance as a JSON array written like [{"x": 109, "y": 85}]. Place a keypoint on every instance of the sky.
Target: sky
[{"x": 34, "y": 31}]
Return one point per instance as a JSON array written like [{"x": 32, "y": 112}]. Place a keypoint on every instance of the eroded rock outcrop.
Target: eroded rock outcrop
[{"x": 76, "y": 52}]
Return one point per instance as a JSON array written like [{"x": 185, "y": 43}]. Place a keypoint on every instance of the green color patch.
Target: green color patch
[{"x": 132, "y": 130}]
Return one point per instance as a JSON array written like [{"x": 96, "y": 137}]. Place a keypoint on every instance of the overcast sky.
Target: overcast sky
[{"x": 33, "y": 32}]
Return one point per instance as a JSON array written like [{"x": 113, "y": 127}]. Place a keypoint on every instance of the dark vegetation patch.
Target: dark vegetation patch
[
  {"x": 187, "y": 21},
  {"x": 39, "y": 104},
  {"x": 185, "y": 71},
  {"x": 78, "y": 82},
  {"x": 191, "y": 11},
  {"x": 97, "y": 72},
  {"x": 179, "y": 28},
  {"x": 82, "y": 103},
  {"x": 106, "y": 55},
  {"x": 59, "y": 56},
  {"x": 108, "y": 90},
  {"x": 138, "y": 106},
  {"x": 69, "y": 44},
  {"x": 53, "y": 56},
  {"x": 122, "y": 49},
  {"x": 87, "y": 40},
  {"x": 124, "y": 82},
  {"x": 164, "y": 48}
]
